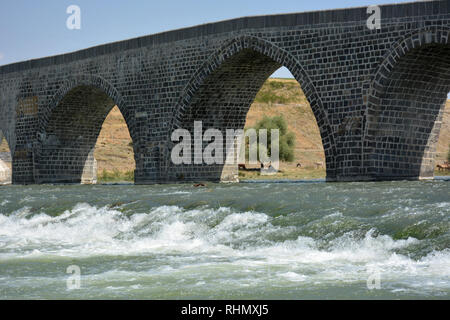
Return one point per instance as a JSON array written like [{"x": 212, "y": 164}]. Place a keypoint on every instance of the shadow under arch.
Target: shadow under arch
[
  {"x": 69, "y": 127},
  {"x": 405, "y": 106},
  {"x": 231, "y": 77}
]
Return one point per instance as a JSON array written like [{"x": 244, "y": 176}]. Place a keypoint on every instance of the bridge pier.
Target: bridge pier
[{"x": 89, "y": 175}]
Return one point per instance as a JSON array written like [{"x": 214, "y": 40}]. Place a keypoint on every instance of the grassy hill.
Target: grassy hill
[
  {"x": 115, "y": 157},
  {"x": 114, "y": 148},
  {"x": 286, "y": 98}
]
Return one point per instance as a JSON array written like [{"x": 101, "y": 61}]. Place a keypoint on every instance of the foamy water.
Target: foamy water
[{"x": 296, "y": 241}]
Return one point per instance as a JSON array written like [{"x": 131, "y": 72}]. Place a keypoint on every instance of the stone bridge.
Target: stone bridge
[{"x": 377, "y": 94}]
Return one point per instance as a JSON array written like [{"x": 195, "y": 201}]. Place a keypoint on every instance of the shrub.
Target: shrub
[{"x": 287, "y": 139}]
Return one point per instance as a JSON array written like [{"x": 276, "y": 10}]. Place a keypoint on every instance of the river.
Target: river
[{"x": 375, "y": 240}]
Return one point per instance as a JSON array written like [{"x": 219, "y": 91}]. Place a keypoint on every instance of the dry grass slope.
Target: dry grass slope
[
  {"x": 4, "y": 146},
  {"x": 114, "y": 148}
]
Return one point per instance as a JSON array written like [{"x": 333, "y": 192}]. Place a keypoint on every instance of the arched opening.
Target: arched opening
[
  {"x": 5, "y": 161},
  {"x": 282, "y": 96},
  {"x": 404, "y": 123},
  {"x": 114, "y": 150},
  {"x": 70, "y": 134},
  {"x": 226, "y": 89}
]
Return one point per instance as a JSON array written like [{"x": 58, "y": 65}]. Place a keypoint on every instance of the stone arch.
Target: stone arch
[
  {"x": 274, "y": 57},
  {"x": 80, "y": 80},
  {"x": 69, "y": 127},
  {"x": 405, "y": 104}
]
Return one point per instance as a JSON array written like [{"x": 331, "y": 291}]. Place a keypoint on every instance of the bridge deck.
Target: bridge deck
[{"x": 350, "y": 15}]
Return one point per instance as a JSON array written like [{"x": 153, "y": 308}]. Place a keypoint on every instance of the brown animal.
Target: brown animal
[
  {"x": 299, "y": 165},
  {"x": 443, "y": 167},
  {"x": 199, "y": 185}
]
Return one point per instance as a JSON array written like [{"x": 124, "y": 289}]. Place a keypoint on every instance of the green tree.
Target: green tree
[{"x": 287, "y": 139}]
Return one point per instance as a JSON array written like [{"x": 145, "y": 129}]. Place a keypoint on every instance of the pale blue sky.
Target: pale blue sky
[{"x": 33, "y": 29}]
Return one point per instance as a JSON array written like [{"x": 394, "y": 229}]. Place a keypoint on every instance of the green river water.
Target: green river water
[{"x": 240, "y": 241}]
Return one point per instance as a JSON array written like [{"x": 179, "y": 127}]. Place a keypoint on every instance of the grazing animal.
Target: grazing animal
[
  {"x": 299, "y": 165},
  {"x": 443, "y": 167},
  {"x": 319, "y": 164}
]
